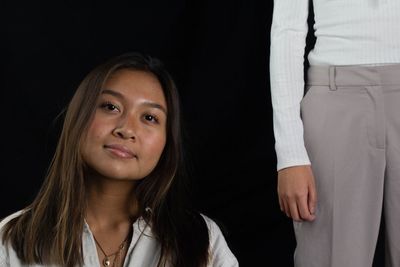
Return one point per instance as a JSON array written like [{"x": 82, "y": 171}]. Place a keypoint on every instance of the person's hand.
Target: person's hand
[{"x": 297, "y": 193}]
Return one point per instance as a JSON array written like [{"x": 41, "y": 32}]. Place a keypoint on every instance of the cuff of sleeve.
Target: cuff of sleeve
[{"x": 291, "y": 157}]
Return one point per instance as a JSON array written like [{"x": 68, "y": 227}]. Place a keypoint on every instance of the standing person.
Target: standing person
[
  {"x": 112, "y": 196},
  {"x": 338, "y": 147}
]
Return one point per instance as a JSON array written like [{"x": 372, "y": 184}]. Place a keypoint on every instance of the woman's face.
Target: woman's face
[{"x": 128, "y": 133}]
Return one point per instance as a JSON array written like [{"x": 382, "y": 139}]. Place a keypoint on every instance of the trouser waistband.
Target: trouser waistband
[{"x": 353, "y": 75}]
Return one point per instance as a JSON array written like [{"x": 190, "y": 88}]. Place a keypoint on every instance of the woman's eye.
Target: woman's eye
[
  {"x": 151, "y": 118},
  {"x": 109, "y": 106}
]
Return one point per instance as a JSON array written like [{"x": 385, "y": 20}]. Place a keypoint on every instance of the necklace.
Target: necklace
[{"x": 107, "y": 258}]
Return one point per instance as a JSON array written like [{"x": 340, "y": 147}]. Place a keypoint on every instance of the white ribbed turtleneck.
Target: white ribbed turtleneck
[{"x": 348, "y": 32}]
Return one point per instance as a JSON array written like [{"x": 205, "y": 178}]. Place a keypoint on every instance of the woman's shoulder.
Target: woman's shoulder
[
  {"x": 5, "y": 220},
  {"x": 221, "y": 255},
  {"x": 6, "y": 249},
  {"x": 3, "y": 248}
]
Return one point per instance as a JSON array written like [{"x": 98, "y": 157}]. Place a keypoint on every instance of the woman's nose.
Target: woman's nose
[{"x": 126, "y": 129}]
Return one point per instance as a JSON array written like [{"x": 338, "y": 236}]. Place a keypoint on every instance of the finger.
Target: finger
[
  {"x": 312, "y": 199},
  {"x": 294, "y": 213},
  {"x": 302, "y": 206},
  {"x": 280, "y": 204},
  {"x": 286, "y": 208}
]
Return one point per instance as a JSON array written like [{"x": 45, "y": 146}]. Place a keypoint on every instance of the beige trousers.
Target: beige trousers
[{"x": 351, "y": 117}]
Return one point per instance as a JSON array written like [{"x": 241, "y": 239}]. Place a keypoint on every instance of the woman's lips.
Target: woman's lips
[{"x": 120, "y": 151}]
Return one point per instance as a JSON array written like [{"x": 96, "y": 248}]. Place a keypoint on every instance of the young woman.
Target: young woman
[{"x": 113, "y": 193}]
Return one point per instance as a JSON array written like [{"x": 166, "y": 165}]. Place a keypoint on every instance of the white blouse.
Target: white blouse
[
  {"x": 143, "y": 251},
  {"x": 348, "y": 32}
]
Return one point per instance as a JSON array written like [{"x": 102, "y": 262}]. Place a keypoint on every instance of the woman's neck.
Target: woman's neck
[
  {"x": 110, "y": 203},
  {"x": 111, "y": 209}
]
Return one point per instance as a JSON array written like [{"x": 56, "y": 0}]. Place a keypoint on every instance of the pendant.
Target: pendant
[{"x": 106, "y": 262}]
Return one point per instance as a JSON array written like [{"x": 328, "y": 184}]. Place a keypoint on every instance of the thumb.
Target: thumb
[{"x": 312, "y": 198}]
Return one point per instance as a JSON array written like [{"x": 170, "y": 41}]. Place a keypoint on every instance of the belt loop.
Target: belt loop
[{"x": 332, "y": 73}]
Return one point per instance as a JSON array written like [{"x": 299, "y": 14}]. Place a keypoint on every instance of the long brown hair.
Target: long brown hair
[{"x": 49, "y": 231}]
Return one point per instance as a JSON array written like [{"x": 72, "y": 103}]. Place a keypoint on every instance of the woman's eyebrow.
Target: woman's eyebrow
[
  {"x": 155, "y": 105},
  {"x": 113, "y": 93},
  {"x": 146, "y": 103}
]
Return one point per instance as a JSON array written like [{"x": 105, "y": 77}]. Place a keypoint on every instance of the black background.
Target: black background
[{"x": 217, "y": 52}]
